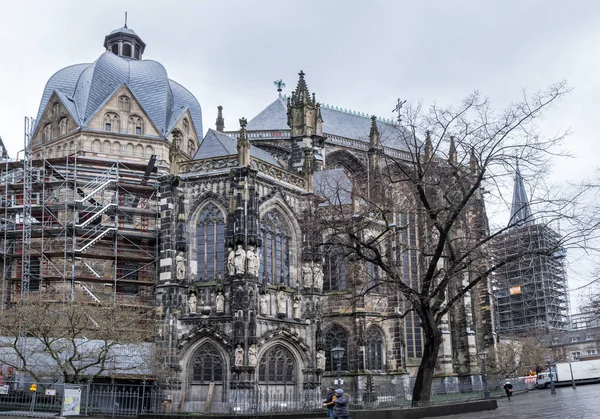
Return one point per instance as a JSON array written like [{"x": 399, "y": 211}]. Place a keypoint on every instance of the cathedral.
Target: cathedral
[{"x": 213, "y": 228}]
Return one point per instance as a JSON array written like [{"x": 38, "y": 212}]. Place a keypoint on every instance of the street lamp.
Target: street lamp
[
  {"x": 572, "y": 379},
  {"x": 337, "y": 354},
  {"x": 483, "y": 355},
  {"x": 552, "y": 386}
]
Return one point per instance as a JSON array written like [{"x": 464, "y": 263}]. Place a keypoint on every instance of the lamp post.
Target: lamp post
[
  {"x": 337, "y": 354},
  {"x": 552, "y": 386},
  {"x": 483, "y": 355},
  {"x": 572, "y": 379}
]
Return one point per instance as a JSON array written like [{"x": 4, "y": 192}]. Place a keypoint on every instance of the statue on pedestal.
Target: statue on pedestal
[
  {"x": 318, "y": 276},
  {"x": 239, "y": 356},
  {"x": 307, "y": 275},
  {"x": 230, "y": 263},
  {"x": 220, "y": 302},
  {"x": 192, "y": 303},
  {"x": 297, "y": 307},
  {"x": 281, "y": 302},
  {"x": 252, "y": 355},
  {"x": 265, "y": 302},
  {"x": 240, "y": 260},
  {"x": 253, "y": 261},
  {"x": 180, "y": 266},
  {"x": 321, "y": 360}
]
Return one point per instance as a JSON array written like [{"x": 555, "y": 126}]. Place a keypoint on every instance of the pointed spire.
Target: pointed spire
[
  {"x": 473, "y": 163},
  {"x": 307, "y": 165},
  {"x": 243, "y": 145},
  {"x": 301, "y": 95},
  {"x": 3, "y": 151},
  {"x": 452, "y": 150},
  {"x": 125, "y": 20},
  {"x": 428, "y": 146},
  {"x": 520, "y": 212},
  {"x": 374, "y": 134},
  {"x": 220, "y": 120}
]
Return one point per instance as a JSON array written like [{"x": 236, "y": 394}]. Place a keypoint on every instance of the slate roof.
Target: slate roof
[
  {"x": 217, "y": 144},
  {"x": 334, "y": 185},
  {"x": 338, "y": 123},
  {"x": 84, "y": 88}
]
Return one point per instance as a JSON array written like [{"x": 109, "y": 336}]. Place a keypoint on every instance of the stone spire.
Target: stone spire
[
  {"x": 375, "y": 148},
  {"x": 452, "y": 151},
  {"x": 520, "y": 212},
  {"x": 243, "y": 145},
  {"x": 220, "y": 120},
  {"x": 374, "y": 134},
  {"x": 473, "y": 163},
  {"x": 3, "y": 151},
  {"x": 428, "y": 146}
]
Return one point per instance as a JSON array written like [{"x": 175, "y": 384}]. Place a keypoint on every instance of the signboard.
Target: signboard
[
  {"x": 71, "y": 402},
  {"x": 515, "y": 290},
  {"x": 4, "y": 389},
  {"x": 50, "y": 392}
]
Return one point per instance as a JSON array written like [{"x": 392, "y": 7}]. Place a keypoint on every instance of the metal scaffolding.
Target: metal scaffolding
[
  {"x": 530, "y": 290},
  {"x": 79, "y": 227}
]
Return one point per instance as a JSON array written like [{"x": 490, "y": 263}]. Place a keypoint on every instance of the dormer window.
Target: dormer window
[
  {"x": 589, "y": 337},
  {"x": 574, "y": 339},
  {"x": 124, "y": 104}
]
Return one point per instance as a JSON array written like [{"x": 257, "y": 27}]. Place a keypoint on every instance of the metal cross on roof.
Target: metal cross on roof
[
  {"x": 280, "y": 85},
  {"x": 398, "y": 108}
]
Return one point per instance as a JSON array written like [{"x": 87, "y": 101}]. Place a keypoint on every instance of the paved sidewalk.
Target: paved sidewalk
[{"x": 582, "y": 403}]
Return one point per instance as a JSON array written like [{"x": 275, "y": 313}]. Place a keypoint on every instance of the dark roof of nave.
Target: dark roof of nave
[
  {"x": 335, "y": 122},
  {"x": 217, "y": 144},
  {"x": 334, "y": 185}
]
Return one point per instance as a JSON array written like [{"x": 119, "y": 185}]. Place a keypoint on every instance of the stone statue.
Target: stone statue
[
  {"x": 180, "y": 266},
  {"x": 318, "y": 276},
  {"x": 240, "y": 260},
  {"x": 252, "y": 355},
  {"x": 220, "y": 302},
  {"x": 192, "y": 303},
  {"x": 253, "y": 261},
  {"x": 239, "y": 356},
  {"x": 281, "y": 302},
  {"x": 307, "y": 277},
  {"x": 297, "y": 310},
  {"x": 230, "y": 264},
  {"x": 265, "y": 301},
  {"x": 321, "y": 360}
]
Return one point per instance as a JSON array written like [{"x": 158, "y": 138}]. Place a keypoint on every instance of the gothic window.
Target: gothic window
[
  {"x": 111, "y": 122},
  {"x": 277, "y": 366},
  {"x": 136, "y": 125},
  {"x": 62, "y": 126},
  {"x": 96, "y": 146},
  {"x": 48, "y": 132},
  {"x": 336, "y": 336},
  {"x": 126, "y": 50},
  {"x": 276, "y": 248},
  {"x": 191, "y": 148},
  {"x": 186, "y": 126},
  {"x": 124, "y": 104},
  {"x": 210, "y": 242},
  {"x": 334, "y": 270},
  {"x": 374, "y": 349},
  {"x": 208, "y": 365},
  {"x": 55, "y": 110},
  {"x": 373, "y": 277}
]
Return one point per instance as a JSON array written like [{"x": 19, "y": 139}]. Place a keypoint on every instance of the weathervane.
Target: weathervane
[
  {"x": 280, "y": 85},
  {"x": 398, "y": 108}
]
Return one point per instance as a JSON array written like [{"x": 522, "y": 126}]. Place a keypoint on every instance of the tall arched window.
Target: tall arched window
[
  {"x": 334, "y": 270},
  {"x": 111, "y": 122},
  {"x": 277, "y": 366},
  {"x": 126, "y": 50},
  {"x": 55, "y": 109},
  {"x": 336, "y": 336},
  {"x": 48, "y": 132},
  {"x": 62, "y": 126},
  {"x": 276, "y": 248},
  {"x": 191, "y": 148},
  {"x": 374, "y": 349},
  {"x": 136, "y": 125},
  {"x": 210, "y": 242},
  {"x": 124, "y": 104},
  {"x": 186, "y": 126},
  {"x": 115, "y": 49},
  {"x": 96, "y": 146},
  {"x": 208, "y": 365}
]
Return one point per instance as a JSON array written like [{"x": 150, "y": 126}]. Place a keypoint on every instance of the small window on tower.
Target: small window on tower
[
  {"x": 115, "y": 49},
  {"x": 124, "y": 104},
  {"x": 126, "y": 50},
  {"x": 136, "y": 52}
]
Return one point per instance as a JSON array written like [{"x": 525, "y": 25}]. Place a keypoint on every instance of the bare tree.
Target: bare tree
[
  {"x": 451, "y": 157},
  {"x": 76, "y": 341},
  {"x": 517, "y": 357}
]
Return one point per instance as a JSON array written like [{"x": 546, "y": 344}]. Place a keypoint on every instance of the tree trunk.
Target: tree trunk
[{"x": 433, "y": 341}]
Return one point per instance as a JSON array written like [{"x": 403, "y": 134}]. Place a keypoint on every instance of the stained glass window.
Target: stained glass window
[
  {"x": 374, "y": 349},
  {"x": 336, "y": 336},
  {"x": 334, "y": 270},
  {"x": 210, "y": 240},
  {"x": 277, "y": 366},
  {"x": 208, "y": 365},
  {"x": 276, "y": 249}
]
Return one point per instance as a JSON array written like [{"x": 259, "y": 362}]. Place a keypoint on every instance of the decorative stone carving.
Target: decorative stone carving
[
  {"x": 180, "y": 266},
  {"x": 192, "y": 303},
  {"x": 239, "y": 356},
  {"x": 220, "y": 303},
  {"x": 265, "y": 301},
  {"x": 281, "y": 303},
  {"x": 321, "y": 360},
  {"x": 297, "y": 307},
  {"x": 230, "y": 263},
  {"x": 253, "y": 261},
  {"x": 240, "y": 260},
  {"x": 318, "y": 276},
  {"x": 252, "y": 355},
  {"x": 307, "y": 275}
]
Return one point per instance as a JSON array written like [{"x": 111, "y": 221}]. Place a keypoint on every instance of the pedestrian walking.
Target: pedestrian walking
[
  {"x": 342, "y": 408},
  {"x": 508, "y": 388},
  {"x": 329, "y": 402}
]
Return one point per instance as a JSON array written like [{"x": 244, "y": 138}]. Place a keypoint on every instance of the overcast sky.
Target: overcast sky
[{"x": 360, "y": 55}]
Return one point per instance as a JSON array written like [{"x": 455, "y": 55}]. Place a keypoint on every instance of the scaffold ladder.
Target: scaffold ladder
[{"x": 27, "y": 221}]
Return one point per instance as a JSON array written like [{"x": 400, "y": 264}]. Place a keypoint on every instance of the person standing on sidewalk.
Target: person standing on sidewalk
[
  {"x": 331, "y": 396},
  {"x": 508, "y": 388},
  {"x": 342, "y": 408}
]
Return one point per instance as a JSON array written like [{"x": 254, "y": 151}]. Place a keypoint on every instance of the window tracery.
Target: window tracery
[
  {"x": 210, "y": 242},
  {"x": 334, "y": 270},
  {"x": 136, "y": 125},
  {"x": 48, "y": 132},
  {"x": 277, "y": 366},
  {"x": 276, "y": 248},
  {"x": 336, "y": 336},
  {"x": 208, "y": 365},
  {"x": 124, "y": 104},
  {"x": 111, "y": 122},
  {"x": 374, "y": 349},
  {"x": 62, "y": 126}
]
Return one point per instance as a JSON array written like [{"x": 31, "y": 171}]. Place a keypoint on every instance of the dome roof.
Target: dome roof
[
  {"x": 84, "y": 88},
  {"x": 125, "y": 30}
]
